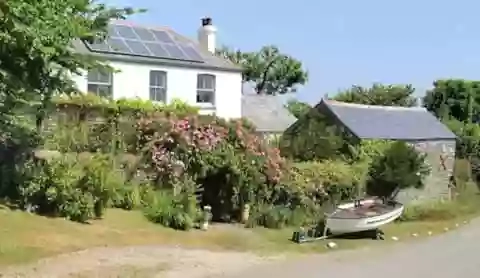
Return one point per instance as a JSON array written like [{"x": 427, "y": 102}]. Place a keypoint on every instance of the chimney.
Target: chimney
[{"x": 207, "y": 35}]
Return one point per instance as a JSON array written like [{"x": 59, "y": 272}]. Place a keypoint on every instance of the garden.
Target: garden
[
  {"x": 97, "y": 172},
  {"x": 170, "y": 163}
]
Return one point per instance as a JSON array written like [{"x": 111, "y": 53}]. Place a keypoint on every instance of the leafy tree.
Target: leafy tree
[
  {"x": 400, "y": 167},
  {"x": 36, "y": 54},
  {"x": 455, "y": 98},
  {"x": 468, "y": 138},
  {"x": 313, "y": 137},
  {"x": 378, "y": 94},
  {"x": 298, "y": 108},
  {"x": 272, "y": 71},
  {"x": 36, "y": 60}
]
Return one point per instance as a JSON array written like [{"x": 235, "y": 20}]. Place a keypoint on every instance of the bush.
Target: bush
[
  {"x": 167, "y": 210},
  {"x": 280, "y": 216},
  {"x": 432, "y": 211},
  {"x": 269, "y": 216},
  {"x": 468, "y": 138},
  {"x": 462, "y": 173},
  {"x": 475, "y": 164},
  {"x": 17, "y": 141},
  {"x": 126, "y": 197},
  {"x": 76, "y": 187},
  {"x": 400, "y": 167},
  {"x": 305, "y": 192},
  {"x": 175, "y": 210},
  {"x": 335, "y": 180},
  {"x": 233, "y": 166},
  {"x": 466, "y": 204},
  {"x": 88, "y": 123},
  {"x": 468, "y": 144}
]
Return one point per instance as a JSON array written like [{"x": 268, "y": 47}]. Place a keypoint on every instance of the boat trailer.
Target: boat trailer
[{"x": 321, "y": 232}]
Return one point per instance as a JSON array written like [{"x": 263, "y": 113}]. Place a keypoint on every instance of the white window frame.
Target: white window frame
[
  {"x": 158, "y": 86},
  {"x": 98, "y": 79},
  {"x": 206, "y": 87}
]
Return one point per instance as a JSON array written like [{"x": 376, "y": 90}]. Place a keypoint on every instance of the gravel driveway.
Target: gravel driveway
[{"x": 451, "y": 255}]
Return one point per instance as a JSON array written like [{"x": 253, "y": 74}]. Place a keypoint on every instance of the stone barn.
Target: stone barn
[{"x": 414, "y": 125}]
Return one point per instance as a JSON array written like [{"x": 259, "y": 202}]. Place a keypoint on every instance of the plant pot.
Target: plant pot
[
  {"x": 98, "y": 209},
  {"x": 245, "y": 214},
  {"x": 207, "y": 216}
]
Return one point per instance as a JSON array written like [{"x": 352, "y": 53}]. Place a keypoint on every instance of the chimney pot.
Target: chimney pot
[{"x": 207, "y": 21}]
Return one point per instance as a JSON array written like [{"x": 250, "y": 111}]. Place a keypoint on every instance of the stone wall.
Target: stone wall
[
  {"x": 269, "y": 136},
  {"x": 441, "y": 158}
]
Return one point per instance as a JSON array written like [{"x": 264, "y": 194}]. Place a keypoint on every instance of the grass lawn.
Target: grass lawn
[{"x": 25, "y": 237}]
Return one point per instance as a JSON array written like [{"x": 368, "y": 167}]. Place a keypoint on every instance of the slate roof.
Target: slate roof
[
  {"x": 210, "y": 61},
  {"x": 267, "y": 113},
  {"x": 388, "y": 122}
]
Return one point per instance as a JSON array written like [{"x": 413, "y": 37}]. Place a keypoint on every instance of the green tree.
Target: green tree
[
  {"x": 468, "y": 138},
  {"x": 378, "y": 94},
  {"x": 298, "y": 108},
  {"x": 272, "y": 71},
  {"x": 313, "y": 137},
  {"x": 454, "y": 98},
  {"x": 400, "y": 167},
  {"x": 37, "y": 59},
  {"x": 36, "y": 54}
]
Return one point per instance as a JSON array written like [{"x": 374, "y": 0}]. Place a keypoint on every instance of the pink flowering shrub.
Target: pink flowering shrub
[{"x": 232, "y": 165}]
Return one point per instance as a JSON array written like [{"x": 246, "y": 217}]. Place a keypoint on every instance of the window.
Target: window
[
  {"x": 158, "y": 86},
  {"x": 100, "y": 83},
  {"x": 206, "y": 88}
]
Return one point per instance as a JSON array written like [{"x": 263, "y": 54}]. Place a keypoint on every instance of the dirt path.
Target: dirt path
[
  {"x": 451, "y": 255},
  {"x": 446, "y": 256},
  {"x": 138, "y": 262}
]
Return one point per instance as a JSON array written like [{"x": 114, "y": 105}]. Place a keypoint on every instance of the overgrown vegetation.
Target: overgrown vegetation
[
  {"x": 170, "y": 162},
  {"x": 400, "y": 167},
  {"x": 73, "y": 155}
]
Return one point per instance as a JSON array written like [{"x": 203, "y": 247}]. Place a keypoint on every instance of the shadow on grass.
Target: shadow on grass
[{"x": 7, "y": 205}]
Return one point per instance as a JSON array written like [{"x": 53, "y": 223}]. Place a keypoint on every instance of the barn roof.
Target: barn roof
[
  {"x": 267, "y": 113},
  {"x": 388, "y": 122}
]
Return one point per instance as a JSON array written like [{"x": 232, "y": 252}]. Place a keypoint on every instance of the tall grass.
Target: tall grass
[{"x": 466, "y": 203}]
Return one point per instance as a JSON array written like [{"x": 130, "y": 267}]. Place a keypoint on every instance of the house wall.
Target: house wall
[
  {"x": 132, "y": 81},
  {"x": 436, "y": 184}
]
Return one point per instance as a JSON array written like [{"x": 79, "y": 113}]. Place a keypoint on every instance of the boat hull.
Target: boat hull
[{"x": 352, "y": 225}]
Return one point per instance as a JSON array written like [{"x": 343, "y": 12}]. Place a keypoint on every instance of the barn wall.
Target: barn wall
[{"x": 436, "y": 184}]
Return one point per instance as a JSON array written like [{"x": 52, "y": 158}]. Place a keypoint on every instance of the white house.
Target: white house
[{"x": 160, "y": 64}]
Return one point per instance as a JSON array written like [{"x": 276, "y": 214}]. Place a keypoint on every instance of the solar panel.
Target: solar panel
[
  {"x": 118, "y": 45},
  {"x": 144, "y": 34},
  {"x": 157, "y": 49},
  {"x": 140, "y": 41},
  {"x": 100, "y": 46},
  {"x": 126, "y": 32},
  {"x": 162, "y": 36},
  {"x": 191, "y": 52},
  {"x": 175, "y": 51},
  {"x": 138, "y": 48},
  {"x": 111, "y": 31}
]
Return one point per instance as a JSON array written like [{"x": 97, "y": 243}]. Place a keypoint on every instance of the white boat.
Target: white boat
[{"x": 362, "y": 215}]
